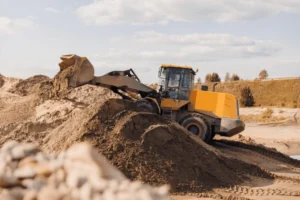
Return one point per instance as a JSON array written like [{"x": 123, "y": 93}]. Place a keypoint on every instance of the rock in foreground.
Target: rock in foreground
[{"x": 78, "y": 173}]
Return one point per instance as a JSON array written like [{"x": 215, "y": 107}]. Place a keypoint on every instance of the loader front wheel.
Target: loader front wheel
[
  {"x": 197, "y": 126},
  {"x": 146, "y": 106}
]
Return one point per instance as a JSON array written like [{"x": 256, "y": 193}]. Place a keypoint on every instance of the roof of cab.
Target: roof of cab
[{"x": 177, "y": 66}]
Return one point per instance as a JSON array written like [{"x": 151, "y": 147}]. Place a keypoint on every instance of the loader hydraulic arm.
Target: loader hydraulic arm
[
  {"x": 79, "y": 71},
  {"x": 126, "y": 80}
]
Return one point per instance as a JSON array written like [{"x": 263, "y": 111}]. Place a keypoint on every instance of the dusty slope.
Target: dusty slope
[
  {"x": 15, "y": 108},
  {"x": 28, "y": 86}
]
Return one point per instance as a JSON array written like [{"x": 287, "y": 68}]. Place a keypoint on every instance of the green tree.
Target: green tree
[
  {"x": 214, "y": 77},
  {"x": 235, "y": 77},
  {"x": 247, "y": 98},
  {"x": 263, "y": 74}
]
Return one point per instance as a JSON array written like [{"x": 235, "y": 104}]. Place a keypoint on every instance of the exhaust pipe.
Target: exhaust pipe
[{"x": 214, "y": 87}]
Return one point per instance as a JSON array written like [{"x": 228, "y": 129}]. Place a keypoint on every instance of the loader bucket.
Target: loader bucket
[
  {"x": 74, "y": 71},
  {"x": 77, "y": 71},
  {"x": 82, "y": 69}
]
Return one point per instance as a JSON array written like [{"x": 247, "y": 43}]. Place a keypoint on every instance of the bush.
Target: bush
[
  {"x": 247, "y": 99},
  {"x": 267, "y": 113},
  {"x": 235, "y": 77},
  {"x": 263, "y": 74},
  {"x": 214, "y": 77}
]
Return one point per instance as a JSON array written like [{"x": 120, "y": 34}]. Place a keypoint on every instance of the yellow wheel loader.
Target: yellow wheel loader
[{"x": 202, "y": 112}]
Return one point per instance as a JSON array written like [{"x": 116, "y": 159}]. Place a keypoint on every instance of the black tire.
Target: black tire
[
  {"x": 197, "y": 125},
  {"x": 146, "y": 106}
]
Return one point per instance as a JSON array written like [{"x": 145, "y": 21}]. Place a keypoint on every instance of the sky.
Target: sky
[{"x": 234, "y": 36}]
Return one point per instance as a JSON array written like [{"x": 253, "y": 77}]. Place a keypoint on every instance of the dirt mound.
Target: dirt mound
[
  {"x": 28, "y": 86},
  {"x": 150, "y": 148},
  {"x": 29, "y": 120},
  {"x": 8, "y": 82},
  {"x": 60, "y": 82}
]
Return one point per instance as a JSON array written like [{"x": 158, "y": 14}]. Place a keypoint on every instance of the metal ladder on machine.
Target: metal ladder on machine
[{"x": 167, "y": 113}]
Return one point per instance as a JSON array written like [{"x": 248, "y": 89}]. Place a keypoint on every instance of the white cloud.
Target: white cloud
[
  {"x": 9, "y": 26},
  {"x": 189, "y": 39},
  {"x": 196, "y": 47},
  {"x": 50, "y": 9},
  {"x": 103, "y": 12},
  {"x": 145, "y": 51}
]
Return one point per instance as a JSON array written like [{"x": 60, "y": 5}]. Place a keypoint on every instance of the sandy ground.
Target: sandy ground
[{"x": 285, "y": 139}]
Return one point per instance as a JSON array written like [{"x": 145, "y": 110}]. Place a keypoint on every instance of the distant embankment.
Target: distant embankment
[{"x": 274, "y": 92}]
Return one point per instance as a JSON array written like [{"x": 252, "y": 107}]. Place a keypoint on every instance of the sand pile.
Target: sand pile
[
  {"x": 78, "y": 173},
  {"x": 60, "y": 81},
  {"x": 50, "y": 116},
  {"x": 143, "y": 146},
  {"x": 13, "y": 107},
  {"x": 8, "y": 82},
  {"x": 149, "y": 148},
  {"x": 29, "y": 86}
]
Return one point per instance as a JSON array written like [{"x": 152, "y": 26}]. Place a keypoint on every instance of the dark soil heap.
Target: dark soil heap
[{"x": 152, "y": 149}]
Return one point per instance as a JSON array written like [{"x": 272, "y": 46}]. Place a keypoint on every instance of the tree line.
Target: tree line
[
  {"x": 214, "y": 77},
  {"x": 247, "y": 98}
]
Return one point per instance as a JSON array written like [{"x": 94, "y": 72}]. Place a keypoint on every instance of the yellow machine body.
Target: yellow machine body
[
  {"x": 220, "y": 110},
  {"x": 221, "y": 104}
]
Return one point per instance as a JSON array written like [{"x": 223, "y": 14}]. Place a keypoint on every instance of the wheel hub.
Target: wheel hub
[{"x": 196, "y": 130}]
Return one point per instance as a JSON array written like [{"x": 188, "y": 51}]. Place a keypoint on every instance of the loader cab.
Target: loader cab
[{"x": 176, "y": 81}]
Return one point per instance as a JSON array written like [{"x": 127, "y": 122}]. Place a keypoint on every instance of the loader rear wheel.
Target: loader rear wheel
[
  {"x": 146, "y": 106},
  {"x": 198, "y": 126}
]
